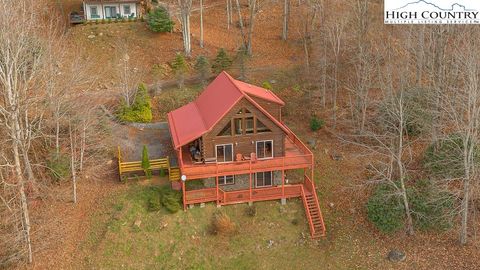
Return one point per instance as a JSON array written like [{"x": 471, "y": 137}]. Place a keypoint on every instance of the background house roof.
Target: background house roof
[{"x": 191, "y": 121}]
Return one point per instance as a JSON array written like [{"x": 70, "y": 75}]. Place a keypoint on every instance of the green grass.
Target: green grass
[{"x": 182, "y": 240}]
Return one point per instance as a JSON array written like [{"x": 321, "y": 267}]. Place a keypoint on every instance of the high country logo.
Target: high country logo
[{"x": 432, "y": 12}]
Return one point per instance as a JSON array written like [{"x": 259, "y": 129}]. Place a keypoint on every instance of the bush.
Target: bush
[
  {"x": 59, "y": 166},
  {"x": 172, "y": 200},
  {"x": 267, "y": 85},
  {"x": 444, "y": 158},
  {"x": 202, "y": 67},
  {"x": 141, "y": 109},
  {"x": 222, "y": 61},
  {"x": 431, "y": 208},
  {"x": 159, "y": 20},
  {"x": 154, "y": 204},
  {"x": 251, "y": 211},
  {"x": 180, "y": 67},
  {"x": 222, "y": 225},
  {"x": 316, "y": 124},
  {"x": 385, "y": 210}
]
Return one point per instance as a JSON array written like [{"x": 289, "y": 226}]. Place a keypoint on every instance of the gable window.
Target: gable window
[
  {"x": 226, "y": 131},
  {"x": 265, "y": 149},
  {"x": 126, "y": 10},
  {"x": 263, "y": 179},
  {"x": 261, "y": 128},
  {"x": 226, "y": 180},
  {"x": 224, "y": 152},
  {"x": 238, "y": 123},
  {"x": 249, "y": 127}
]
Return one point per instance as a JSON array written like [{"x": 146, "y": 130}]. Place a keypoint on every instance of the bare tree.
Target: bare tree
[
  {"x": 201, "y": 23},
  {"x": 286, "y": 18},
  {"x": 336, "y": 36},
  {"x": 185, "y": 10}
]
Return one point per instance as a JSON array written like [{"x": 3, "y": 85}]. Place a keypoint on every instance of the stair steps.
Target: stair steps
[{"x": 314, "y": 215}]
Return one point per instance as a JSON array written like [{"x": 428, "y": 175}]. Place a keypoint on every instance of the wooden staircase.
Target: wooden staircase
[
  {"x": 314, "y": 214},
  {"x": 174, "y": 174}
]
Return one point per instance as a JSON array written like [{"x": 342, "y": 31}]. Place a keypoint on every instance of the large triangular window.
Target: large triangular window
[
  {"x": 261, "y": 128},
  {"x": 226, "y": 131}
]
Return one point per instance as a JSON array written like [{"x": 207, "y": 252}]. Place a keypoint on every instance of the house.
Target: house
[
  {"x": 232, "y": 147},
  {"x": 111, "y": 9}
]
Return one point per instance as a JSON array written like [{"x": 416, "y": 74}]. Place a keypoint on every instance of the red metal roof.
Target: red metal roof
[{"x": 191, "y": 121}]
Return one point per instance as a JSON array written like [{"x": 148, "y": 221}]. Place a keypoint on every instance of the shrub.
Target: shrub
[
  {"x": 444, "y": 158},
  {"x": 222, "y": 61},
  {"x": 146, "y": 162},
  {"x": 385, "y": 210},
  {"x": 431, "y": 208},
  {"x": 316, "y": 124},
  {"x": 59, "y": 166},
  {"x": 222, "y": 225},
  {"x": 251, "y": 211},
  {"x": 141, "y": 109},
  {"x": 172, "y": 200},
  {"x": 267, "y": 85},
  {"x": 154, "y": 204},
  {"x": 159, "y": 20},
  {"x": 202, "y": 67},
  {"x": 180, "y": 67}
]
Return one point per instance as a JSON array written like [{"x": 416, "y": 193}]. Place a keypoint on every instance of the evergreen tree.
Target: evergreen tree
[
  {"x": 222, "y": 61},
  {"x": 202, "y": 66},
  {"x": 159, "y": 20},
  {"x": 180, "y": 67},
  {"x": 146, "y": 162}
]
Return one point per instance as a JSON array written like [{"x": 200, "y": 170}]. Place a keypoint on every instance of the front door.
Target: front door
[{"x": 110, "y": 12}]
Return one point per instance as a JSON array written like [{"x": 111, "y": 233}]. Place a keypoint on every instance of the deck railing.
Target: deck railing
[{"x": 241, "y": 196}]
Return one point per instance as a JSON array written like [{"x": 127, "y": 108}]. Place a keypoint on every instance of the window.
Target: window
[
  {"x": 226, "y": 180},
  {"x": 110, "y": 12},
  {"x": 126, "y": 10},
  {"x": 263, "y": 179},
  {"x": 265, "y": 149},
  {"x": 224, "y": 152},
  {"x": 226, "y": 131},
  {"x": 261, "y": 128},
  {"x": 238, "y": 123},
  {"x": 249, "y": 128},
  {"x": 93, "y": 12}
]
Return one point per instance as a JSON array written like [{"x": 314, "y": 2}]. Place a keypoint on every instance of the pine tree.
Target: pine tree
[
  {"x": 180, "y": 67},
  {"x": 159, "y": 20},
  {"x": 146, "y": 162},
  {"x": 222, "y": 61},
  {"x": 202, "y": 66}
]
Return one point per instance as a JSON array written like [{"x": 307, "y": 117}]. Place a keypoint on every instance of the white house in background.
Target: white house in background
[{"x": 111, "y": 9}]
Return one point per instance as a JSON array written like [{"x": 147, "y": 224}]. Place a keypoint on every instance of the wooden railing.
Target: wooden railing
[
  {"x": 307, "y": 210},
  {"x": 311, "y": 186},
  {"x": 240, "y": 196},
  {"x": 247, "y": 166},
  {"x": 294, "y": 138}
]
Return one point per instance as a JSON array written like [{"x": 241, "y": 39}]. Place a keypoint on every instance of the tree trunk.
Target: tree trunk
[
  {"x": 240, "y": 21},
  {"x": 286, "y": 16},
  {"x": 72, "y": 162},
  {"x": 201, "y": 23},
  {"x": 250, "y": 29}
]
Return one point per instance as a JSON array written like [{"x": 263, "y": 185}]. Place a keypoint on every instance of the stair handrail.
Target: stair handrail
[
  {"x": 309, "y": 216},
  {"x": 317, "y": 202}
]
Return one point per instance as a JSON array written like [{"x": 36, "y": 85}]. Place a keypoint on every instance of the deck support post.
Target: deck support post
[
  {"x": 184, "y": 196},
  {"x": 216, "y": 185},
  {"x": 283, "y": 184},
  {"x": 250, "y": 186}
]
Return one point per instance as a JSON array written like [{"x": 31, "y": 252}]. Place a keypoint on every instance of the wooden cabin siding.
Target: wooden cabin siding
[
  {"x": 273, "y": 108},
  {"x": 243, "y": 143}
]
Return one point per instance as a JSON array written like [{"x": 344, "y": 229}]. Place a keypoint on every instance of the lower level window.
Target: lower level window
[
  {"x": 263, "y": 179},
  {"x": 226, "y": 180}
]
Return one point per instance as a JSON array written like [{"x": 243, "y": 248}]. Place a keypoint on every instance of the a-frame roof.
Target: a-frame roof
[{"x": 191, "y": 121}]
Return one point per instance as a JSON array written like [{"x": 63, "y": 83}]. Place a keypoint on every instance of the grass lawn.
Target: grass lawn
[{"x": 276, "y": 238}]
